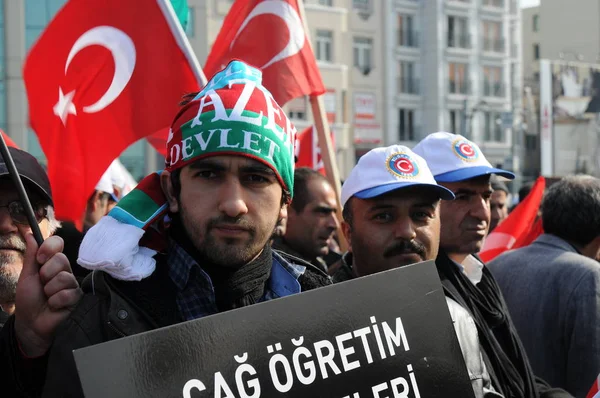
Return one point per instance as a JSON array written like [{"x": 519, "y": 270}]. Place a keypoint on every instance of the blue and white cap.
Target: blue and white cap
[
  {"x": 453, "y": 158},
  {"x": 382, "y": 170}
]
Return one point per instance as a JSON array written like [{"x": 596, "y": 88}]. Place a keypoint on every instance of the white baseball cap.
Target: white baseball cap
[
  {"x": 453, "y": 158},
  {"x": 382, "y": 170}
]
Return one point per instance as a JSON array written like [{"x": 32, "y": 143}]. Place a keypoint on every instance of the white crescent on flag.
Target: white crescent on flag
[
  {"x": 123, "y": 52},
  {"x": 291, "y": 18}
]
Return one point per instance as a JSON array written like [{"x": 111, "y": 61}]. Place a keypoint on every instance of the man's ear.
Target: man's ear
[
  {"x": 283, "y": 213},
  {"x": 167, "y": 187},
  {"x": 347, "y": 231}
]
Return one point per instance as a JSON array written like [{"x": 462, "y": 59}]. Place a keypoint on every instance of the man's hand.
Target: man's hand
[{"x": 47, "y": 292}]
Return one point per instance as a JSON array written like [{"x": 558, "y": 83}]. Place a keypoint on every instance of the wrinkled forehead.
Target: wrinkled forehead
[{"x": 478, "y": 184}]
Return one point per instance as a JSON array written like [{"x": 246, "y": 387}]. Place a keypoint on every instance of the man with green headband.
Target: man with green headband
[{"x": 192, "y": 240}]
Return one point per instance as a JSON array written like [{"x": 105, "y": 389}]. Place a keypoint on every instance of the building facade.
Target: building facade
[
  {"x": 568, "y": 38},
  {"x": 456, "y": 67}
]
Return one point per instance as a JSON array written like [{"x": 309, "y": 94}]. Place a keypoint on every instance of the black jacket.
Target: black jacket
[{"x": 111, "y": 309}]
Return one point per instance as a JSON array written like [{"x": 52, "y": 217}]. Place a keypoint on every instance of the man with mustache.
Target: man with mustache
[
  {"x": 391, "y": 219},
  {"x": 37, "y": 288},
  {"x": 208, "y": 219},
  {"x": 459, "y": 165}
]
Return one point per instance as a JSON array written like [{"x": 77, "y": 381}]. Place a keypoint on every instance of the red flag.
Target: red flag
[
  {"x": 271, "y": 36},
  {"x": 8, "y": 140},
  {"x": 308, "y": 151},
  {"x": 595, "y": 391},
  {"x": 519, "y": 228},
  {"x": 158, "y": 141},
  {"x": 103, "y": 75}
]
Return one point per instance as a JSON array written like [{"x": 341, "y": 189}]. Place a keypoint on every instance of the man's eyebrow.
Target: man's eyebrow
[
  {"x": 207, "y": 164},
  {"x": 465, "y": 191},
  {"x": 381, "y": 206},
  {"x": 324, "y": 208},
  {"x": 258, "y": 169},
  {"x": 430, "y": 205}
]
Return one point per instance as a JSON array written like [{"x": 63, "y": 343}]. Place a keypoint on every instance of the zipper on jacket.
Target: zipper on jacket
[{"x": 117, "y": 331}]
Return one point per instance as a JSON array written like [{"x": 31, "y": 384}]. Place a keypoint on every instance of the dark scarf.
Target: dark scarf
[
  {"x": 234, "y": 287},
  {"x": 503, "y": 352}
]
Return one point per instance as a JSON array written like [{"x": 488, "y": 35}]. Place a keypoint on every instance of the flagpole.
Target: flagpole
[
  {"x": 182, "y": 40},
  {"x": 325, "y": 144},
  {"x": 14, "y": 175}
]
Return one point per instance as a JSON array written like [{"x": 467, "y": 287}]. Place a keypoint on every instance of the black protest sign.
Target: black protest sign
[{"x": 386, "y": 335}]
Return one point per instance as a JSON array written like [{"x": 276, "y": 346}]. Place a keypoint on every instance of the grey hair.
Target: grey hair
[
  {"x": 571, "y": 209},
  {"x": 53, "y": 223}
]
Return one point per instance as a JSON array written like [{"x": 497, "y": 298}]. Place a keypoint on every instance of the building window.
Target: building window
[
  {"x": 454, "y": 121},
  {"x": 458, "y": 32},
  {"x": 407, "y": 35},
  {"x": 536, "y": 51},
  {"x": 328, "y": 3},
  {"x": 324, "y": 44},
  {"x": 458, "y": 78},
  {"x": 492, "y": 36},
  {"x": 536, "y": 23},
  {"x": 494, "y": 3},
  {"x": 362, "y": 6},
  {"x": 363, "y": 50},
  {"x": 406, "y": 126},
  {"x": 493, "y": 85},
  {"x": 190, "y": 28},
  {"x": 530, "y": 142},
  {"x": 493, "y": 127},
  {"x": 297, "y": 108},
  {"x": 407, "y": 83}
]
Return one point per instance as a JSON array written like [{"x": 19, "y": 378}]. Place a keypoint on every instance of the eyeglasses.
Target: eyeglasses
[{"x": 18, "y": 215}]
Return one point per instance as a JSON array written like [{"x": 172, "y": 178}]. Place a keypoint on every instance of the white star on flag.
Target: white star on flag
[{"x": 64, "y": 106}]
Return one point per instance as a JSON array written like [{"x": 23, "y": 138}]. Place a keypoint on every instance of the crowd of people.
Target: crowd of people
[{"x": 234, "y": 224}]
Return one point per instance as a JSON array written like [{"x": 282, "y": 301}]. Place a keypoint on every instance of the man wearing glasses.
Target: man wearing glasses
[{"x": 37, "y": 287}]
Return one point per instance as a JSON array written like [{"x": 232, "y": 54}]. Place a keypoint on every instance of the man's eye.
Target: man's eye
[
  {"x": 461, "y": 197},
  {"x": 206, "y": 174},
  {"x": 256, "y": 178},
  {"x": 383, "y": 217},
  {"x": 421, "y": 215}
]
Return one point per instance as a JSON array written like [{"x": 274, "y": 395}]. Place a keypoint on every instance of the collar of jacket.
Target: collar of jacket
[
  {"x": 137, "y": 307},
  {"x": 556, "y": 242}
]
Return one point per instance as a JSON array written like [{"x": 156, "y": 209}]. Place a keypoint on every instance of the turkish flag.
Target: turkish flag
[
  {"x": 308, "y": 152},
  {"x": 103, "y": 75},
  {"x": 520, "y": 228},
  {"x": 269, "y": 34}
]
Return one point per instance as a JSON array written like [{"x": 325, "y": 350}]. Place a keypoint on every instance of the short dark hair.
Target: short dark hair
[
  {"x": 498, "y": 185},
  {"x": 347, "y": 212},
  {"x": 302, "y": 176},
  {"x": 571, "y": 209}
]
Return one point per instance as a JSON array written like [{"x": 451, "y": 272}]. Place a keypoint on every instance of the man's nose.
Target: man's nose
[
  {"x": 404, "y": 229},
  {"x": 232, "y": 201}
]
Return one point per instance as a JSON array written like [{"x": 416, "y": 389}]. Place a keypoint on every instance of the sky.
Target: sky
[{"x": 529, "y": 3}]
